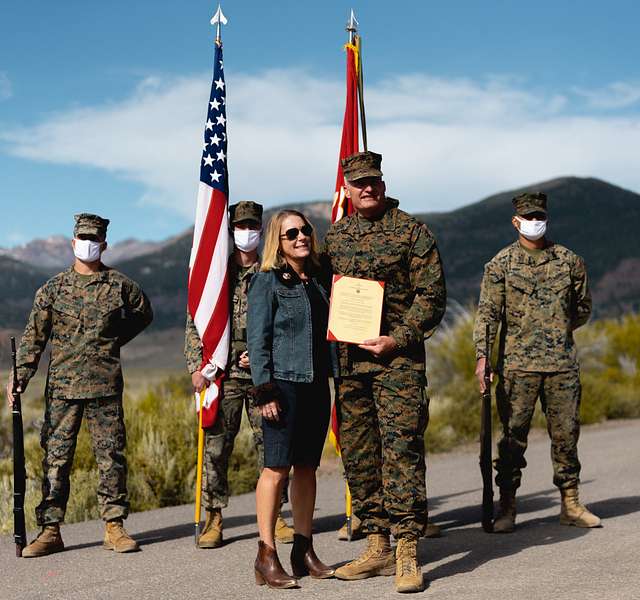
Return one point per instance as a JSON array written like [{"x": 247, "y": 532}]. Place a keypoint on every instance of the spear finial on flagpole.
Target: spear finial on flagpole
[
  {"x": 218, "y": 20},
  {"x": 352, "y": 26}
]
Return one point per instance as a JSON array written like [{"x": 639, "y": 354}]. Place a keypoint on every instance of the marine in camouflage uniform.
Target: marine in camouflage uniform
[
  {"x": 536, "y": 292},
  {"x": 86, "y": 318},
  {"x": 219, "y": 439},
  {"x": 381, "y": 400}
]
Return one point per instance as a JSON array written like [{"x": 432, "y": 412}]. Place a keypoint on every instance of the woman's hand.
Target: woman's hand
[{"x": 271, "y": 411}]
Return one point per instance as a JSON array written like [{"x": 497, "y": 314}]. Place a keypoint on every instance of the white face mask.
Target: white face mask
[
  {"x": 87, "y": 251},
  {"x": 246, "y": 240},
  {"x": 532, "y": 230}
]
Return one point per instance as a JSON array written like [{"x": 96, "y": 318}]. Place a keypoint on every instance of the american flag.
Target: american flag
[
  {"x": 348, "y": 146},
  {"x": 208, "y": 297}
]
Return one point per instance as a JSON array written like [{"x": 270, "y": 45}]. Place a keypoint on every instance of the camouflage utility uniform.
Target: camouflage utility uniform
[
  {"x": 220, "y": 438},
  {"x": 538, "y": 298},
  {"x": 87, "y": 319},
  {"x": 382, "y": 405}
]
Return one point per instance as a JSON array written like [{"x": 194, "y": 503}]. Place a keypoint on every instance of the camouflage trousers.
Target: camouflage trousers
[
  {"x": 383, "y": 417},
  {"x": 219, "y": 440},
  {"x": 516, "y": 396},
  {"x": 62, "y": 419}
]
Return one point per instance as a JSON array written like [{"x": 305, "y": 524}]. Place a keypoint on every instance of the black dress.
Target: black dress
[{"x": 297, "y": 438}]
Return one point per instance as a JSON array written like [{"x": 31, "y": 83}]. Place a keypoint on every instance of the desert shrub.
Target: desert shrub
[
  {"x": 162, "y": 432},
  {"x": 161, "y": 452},
  {"x": 609, "y": 354}
]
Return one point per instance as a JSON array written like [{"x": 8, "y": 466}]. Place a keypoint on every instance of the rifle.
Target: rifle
[
  {"x": 485, "y": 442},
  {"x": 19, "y": 472}
]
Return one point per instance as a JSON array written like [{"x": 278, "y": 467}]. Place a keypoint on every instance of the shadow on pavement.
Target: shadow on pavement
[
  {"x": 468, "y": 515},
  {"x": 479, "y": 548}
]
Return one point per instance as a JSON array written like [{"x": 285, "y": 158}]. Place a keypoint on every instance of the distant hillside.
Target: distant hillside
[
  {"x": 19, "y": 281},
  {"x": 55, "y": 253},
  {"x": 596, "y": 219}
]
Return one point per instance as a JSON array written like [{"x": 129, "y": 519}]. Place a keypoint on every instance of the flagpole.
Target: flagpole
[
  {"x": 200, "y": 460},
  {"x": 363, "y": 118},
  {"x": 218, "y": 20},
  {"x": 356, "y": 40}
]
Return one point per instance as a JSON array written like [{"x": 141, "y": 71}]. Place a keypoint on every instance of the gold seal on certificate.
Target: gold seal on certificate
[{"x": 355, "y": 311}]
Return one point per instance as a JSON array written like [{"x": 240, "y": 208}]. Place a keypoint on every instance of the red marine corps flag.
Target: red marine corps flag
[
  {"x": 341, "y": 204},
  {"x": 349, "y": 145}
]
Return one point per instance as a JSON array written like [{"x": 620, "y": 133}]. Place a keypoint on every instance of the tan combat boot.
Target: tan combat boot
[
  {"x": 377, "y": 559},
  {"x": 505, "y": 522},
  {"x": 283, "y": 533},
  {"x": 117, "y": 539},
  {"x": 356, "y": 531},
  {"x": 408, "y": 573},
  {"x": 575, "y": 513},
  {"x": 432, "y": 530},
  {"x": 211, "y": 536},
  {"x": 48, "y": 541}
]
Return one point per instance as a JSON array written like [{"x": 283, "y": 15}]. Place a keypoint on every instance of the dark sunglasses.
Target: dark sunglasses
[{"x": 292, "y": 234}]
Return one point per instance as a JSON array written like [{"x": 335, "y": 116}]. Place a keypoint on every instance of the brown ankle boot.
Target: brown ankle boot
[
  {"x": 117, "y": 539},
  {"x": 573, "y": 512},
  {"x": 48, "y": 541},
  {"x": 304, "y": 560},
  {"x": 269, "y": 570},
  {"x": 505, "y": 522}
]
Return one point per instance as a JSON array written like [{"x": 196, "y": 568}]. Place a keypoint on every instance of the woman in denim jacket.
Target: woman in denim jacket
[{"x": 291, "y": 362}]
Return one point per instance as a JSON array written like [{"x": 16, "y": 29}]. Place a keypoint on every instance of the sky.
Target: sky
[{"x": 102, "y": 105}]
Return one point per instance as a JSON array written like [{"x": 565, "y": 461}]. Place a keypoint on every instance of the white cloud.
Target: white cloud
[
  {"x": 617, "y": 95},
  {"x": 6, "y": 89},
  {"x": 446, "y": 142}
]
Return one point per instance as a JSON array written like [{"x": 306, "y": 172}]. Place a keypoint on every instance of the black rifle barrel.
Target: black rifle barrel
[
  {"x": 486, "y": 441},
  {"x": 19, "y": 472}
]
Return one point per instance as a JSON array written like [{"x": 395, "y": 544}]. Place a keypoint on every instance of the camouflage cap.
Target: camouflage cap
[
  {"x": 89, "y": 224},
  {"x": 530, "y": 202},
  {"x": 361, "y": 164},
  {"x": 245, "y": 211}
]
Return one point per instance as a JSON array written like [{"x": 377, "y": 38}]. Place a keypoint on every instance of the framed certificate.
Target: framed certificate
[{"x": 355, "y": 310}]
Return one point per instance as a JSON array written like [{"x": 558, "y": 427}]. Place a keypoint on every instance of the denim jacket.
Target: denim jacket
[{"x": 279, "y": 335}]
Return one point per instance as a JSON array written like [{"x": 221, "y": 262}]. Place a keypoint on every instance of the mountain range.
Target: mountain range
[{"x": 596, "y": 219}]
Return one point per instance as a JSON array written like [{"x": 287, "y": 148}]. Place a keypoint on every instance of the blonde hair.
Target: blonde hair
[{"x": 272, "y": 258}]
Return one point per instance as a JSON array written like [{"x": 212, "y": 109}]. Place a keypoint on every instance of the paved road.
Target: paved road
[{"x": 541, "y": 560}]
